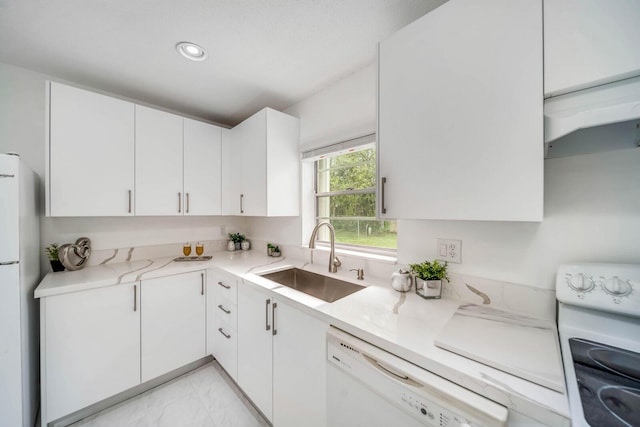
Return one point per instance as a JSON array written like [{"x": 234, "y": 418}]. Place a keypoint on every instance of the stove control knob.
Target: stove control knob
[
  {"x": 617, "y": 287},
  {"x": 578, "y": 282}
]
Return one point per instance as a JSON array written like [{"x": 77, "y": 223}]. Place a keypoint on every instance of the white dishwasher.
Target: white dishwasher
[{"x": 369, "y": 387}]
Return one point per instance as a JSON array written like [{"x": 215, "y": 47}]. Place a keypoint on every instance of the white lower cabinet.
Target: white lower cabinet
[
  {"x": 222, "y": 318},
  {"x": 173, "y": 322},
  {"x": 255, "y": 329},
  {"x": 281, "y": 359},
  {"x": 90, "y": 347},
  {"x": 100, "y": 342},
  {"x": 299, "y": 369}
]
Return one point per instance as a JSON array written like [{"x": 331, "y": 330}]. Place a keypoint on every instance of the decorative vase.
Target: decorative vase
[
  {"x": 429, "y": 289},
  {"x": 246, "y": 245},
  {"x": 238, "y": 246},
  {"x": 231, "y": 246},
  {"x": 275, "y": 253},
  {"x": 56, "y": 265}
]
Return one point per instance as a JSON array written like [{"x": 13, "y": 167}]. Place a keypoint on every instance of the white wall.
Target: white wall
[
  {"x": 346, "y": 109},
  {"x": 592, "y": 201},
  {"x": 22, "y": 114}
]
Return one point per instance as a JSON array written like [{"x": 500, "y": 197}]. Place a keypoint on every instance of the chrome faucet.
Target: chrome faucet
[{"x": 334, "y": 262}]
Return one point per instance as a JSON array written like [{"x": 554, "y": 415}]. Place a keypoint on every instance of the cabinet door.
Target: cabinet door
[
  {"x": 91, "y": 150},
  {"x": 91, "y": 347},
  {"x": 283, "y": 164},
  {"x": 202, "y": 168},
  {"x": 299, "y": 369},
  {"x": 249, "y": 139},
  {"x": 254, "y": 346},
  {"x": 589, "y": 42},
  {"x": 460, "y": 114},
  {"x": 158, "y": 163},
  {"x": 173, "y": 322}
]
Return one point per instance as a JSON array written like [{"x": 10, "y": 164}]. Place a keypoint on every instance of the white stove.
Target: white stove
[{"x": 599, "y": 327}]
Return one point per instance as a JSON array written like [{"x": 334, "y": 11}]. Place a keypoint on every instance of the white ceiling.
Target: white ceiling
[{"x": 261, "y": 52}]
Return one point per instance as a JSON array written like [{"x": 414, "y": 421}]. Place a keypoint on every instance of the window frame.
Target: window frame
[{"x": 350, "y": 248}]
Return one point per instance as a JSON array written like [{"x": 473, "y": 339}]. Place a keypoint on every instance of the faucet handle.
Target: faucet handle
[{"x": 360, "y": 273}]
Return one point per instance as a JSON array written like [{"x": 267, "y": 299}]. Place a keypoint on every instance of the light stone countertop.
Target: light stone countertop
[{"x": 401, "y": 323}]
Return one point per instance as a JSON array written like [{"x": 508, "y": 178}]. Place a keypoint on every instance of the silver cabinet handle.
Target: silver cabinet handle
[
  {"x": 222, "y": 332},
  {"x": 179, "y": 202},
  {"x": 382, "y": 208},
  {"x": 221, "y": 307},
  {"x": 266, "y": 315},
  {"x": 187, "y": 194},
  {"x": 201, "y": 283},
  {"x": 224, "y": 286},
  {"x": 135, "y": 297},
  {"x": 241, "y": 200},
  {"x": 129, "y": 201},
  {"x": 273, "y": 316}
]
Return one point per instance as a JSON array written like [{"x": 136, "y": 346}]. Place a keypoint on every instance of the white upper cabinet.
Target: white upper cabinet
[
  {"x": 100, "y": 148},
  {"x": 589, "y": 42},
  {"x": 262, "y": 172},
  {"x": 158, "y": 162},
  {"x": 202, "y": 168},
  {"x": 91, "y": 150},
  {"x": 461, "y": 114}
]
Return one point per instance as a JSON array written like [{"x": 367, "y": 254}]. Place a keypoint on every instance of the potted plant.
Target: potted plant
[
  {"x": 273, "y": 250},
  {"x": 52, "y": 254},
  {"x": 237, "y": 240},
  {"x": 428, "y": 277}
]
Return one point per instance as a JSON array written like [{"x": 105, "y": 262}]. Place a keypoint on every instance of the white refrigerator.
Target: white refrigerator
[{"x": 19, "y": 275}]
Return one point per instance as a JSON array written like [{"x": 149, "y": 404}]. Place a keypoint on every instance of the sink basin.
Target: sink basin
[{"x": 326, "y": 288}]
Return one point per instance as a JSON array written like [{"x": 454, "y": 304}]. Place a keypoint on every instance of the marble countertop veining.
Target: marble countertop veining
[{"x": 401, "y": 323}]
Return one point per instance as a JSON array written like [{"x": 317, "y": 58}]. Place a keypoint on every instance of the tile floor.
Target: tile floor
[{"x": 205, "y": 397}]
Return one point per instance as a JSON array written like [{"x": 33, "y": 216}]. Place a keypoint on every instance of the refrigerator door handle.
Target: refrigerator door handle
[{"x": 10, "y": 263}]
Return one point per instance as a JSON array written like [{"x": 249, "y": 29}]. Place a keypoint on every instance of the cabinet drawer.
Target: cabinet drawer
[
  {"x": 226, "y": 315},
  {"x": 225, "y": 286},
  {"x": 226, "y": 349}
]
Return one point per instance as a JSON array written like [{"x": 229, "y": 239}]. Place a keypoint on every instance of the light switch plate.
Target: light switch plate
[{"x": 449, "y": 250}]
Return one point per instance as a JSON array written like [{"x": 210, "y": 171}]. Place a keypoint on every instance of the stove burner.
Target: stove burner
[
  {"x": 621, "y": 402},
  {"x": 621, "y": 362}
]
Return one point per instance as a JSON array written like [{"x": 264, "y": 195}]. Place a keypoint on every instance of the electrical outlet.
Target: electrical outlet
[
  {"x": 223, "y": 230},
  {"x": 449, "y": 250}
]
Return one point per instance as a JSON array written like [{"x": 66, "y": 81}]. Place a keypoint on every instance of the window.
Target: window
[{"x": 345, "y": 196}]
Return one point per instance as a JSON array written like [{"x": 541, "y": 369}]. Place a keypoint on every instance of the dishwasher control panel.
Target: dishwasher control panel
[{"x": 429, "y": 399}]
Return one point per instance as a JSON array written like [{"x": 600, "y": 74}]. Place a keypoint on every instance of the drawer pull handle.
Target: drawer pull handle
[
  {"x": 135, "y": 297},
  {"x": 222, "y": 332},
  {"x": 201, "y": 283},
  {"x": 224, "y": 309},
  {"x": 224, "y": 286}
]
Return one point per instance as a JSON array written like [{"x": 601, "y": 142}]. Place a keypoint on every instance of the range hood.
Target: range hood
[{"x": 601, "y": 105}]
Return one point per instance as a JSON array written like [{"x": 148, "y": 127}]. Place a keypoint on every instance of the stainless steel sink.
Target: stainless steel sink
[{"x": 324, "y": 287}]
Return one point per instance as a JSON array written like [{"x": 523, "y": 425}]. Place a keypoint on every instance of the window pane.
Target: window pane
[
  {"x": 348, "y": 205},
  {"x": 352, "y": 171},
  {"x": 378, "y": 233}
]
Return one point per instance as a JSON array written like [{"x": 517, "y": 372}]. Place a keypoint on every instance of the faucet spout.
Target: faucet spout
[{"x": 334, "y": 262}]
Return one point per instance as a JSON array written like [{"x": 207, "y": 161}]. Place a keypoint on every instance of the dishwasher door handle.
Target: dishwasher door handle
[{"x": 390, "y": 373}]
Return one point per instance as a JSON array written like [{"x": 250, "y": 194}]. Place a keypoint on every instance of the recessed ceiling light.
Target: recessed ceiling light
[{"x": 191, "y": 51}]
